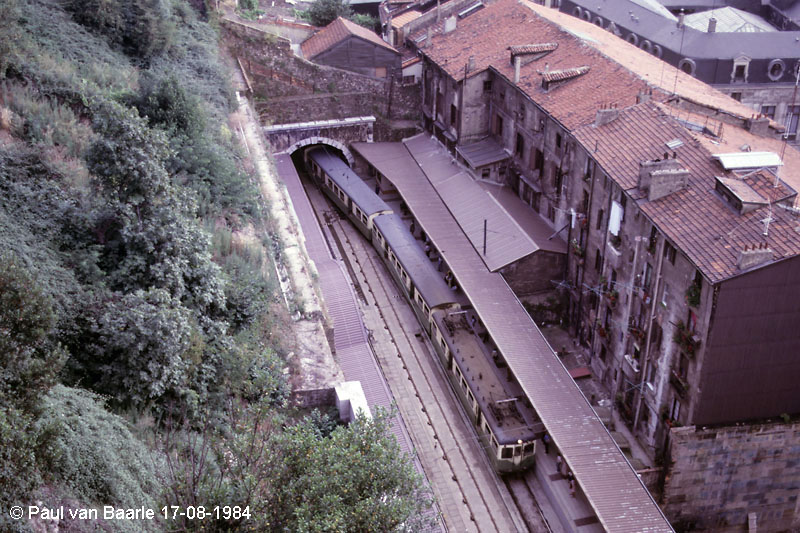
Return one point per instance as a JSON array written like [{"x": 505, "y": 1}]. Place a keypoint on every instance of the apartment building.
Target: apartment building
[{"x": 684, "y": 249}]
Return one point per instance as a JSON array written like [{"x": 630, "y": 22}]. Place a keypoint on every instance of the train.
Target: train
[{"x": 503, "y": 417}]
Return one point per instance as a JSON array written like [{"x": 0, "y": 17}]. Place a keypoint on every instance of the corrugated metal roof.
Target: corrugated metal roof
[
  {"x": 617, "y": 495},
  {"x": 484, "y": 152},
  {"x": 742, "y": 160},
  {"x": 419, "y": 268},
  {"x": 349, "y": 182},
  {"x": 506, "y": 242}
]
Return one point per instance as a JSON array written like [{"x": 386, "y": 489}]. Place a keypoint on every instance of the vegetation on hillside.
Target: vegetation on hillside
[{"x": 138, "y": 364}]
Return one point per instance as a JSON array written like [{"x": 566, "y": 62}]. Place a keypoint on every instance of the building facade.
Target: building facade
[{"x": 675, "y": 281}]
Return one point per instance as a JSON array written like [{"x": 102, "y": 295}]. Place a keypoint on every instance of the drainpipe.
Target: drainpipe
[
  {"x": 646, "y": 358},
  {"x": 588, "y": 215}
]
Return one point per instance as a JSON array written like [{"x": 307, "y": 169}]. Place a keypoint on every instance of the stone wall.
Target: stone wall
[
  {"x": 289, "y": 89},
  {"x": 313, "y": 398},
  {"x": 717, "y": 476}
]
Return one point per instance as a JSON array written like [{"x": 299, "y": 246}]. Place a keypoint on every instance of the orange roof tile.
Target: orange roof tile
[
  {"x": 487, "y": 36},
  {"x": 401, "y": 20},
  {"x": 697, "y": 220},
  {"x": 336, "y": 32},
  {"x": 656, "y": 72}
]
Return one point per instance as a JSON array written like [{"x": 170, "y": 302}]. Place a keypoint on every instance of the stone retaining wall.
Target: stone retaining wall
[{"x": 719, "y": 475}]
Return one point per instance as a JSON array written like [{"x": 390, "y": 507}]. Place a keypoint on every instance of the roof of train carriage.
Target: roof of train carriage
[
  {"x": 419, "y": 268},
  {"x": 347, "y": 180}
]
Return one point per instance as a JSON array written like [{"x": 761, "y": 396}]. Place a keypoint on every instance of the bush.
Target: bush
[
  {"x": 97, "y": 459},
  {"x": 140, "y": 28}
]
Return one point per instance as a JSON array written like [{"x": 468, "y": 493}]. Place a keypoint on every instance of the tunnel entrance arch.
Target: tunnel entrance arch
[{"x": 322, "y": 140}]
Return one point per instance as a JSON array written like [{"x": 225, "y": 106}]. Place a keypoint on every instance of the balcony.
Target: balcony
[{"x": 680, "y": 383}]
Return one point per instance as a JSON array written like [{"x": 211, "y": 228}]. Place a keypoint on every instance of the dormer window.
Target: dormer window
[{"x": 741, "y": 66}]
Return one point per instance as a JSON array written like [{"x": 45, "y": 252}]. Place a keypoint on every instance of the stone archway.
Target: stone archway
[{"x": 322, "y": 140}]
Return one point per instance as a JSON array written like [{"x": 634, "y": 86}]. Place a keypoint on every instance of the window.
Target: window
[
  {"x": 792, "y": 117},
  {"x": 669, "y": 252},
  {"x": 675, "y": 412},
  {"x": 647, "y": 277},
  {"x": 768, "y": 111},
  {"x": 600, "y": 214},
  {"x": 453, "y": 114},
  {"x": 603, "y": 352},
  {"x": 485, "y": 173},
  {"x": 507, "y": 452},
  {"x": 651, "y": 374},
  {"x": 536, "y": 201},
  {"x": 737, "y": 96},
  {"x": 487, "y": 86},
  {"x": 558, "y": 142},
  {"x": 520, "y": 146},
  {"x": 739, "y": 73},
  {"x": 585, "y": 203},
  {"x": 622, "y": 202},
  {"x": 665, "y": 295},
  {"x": 597, "y": 260},
  {"x": 551, "y": 212},
  {"x": 498, "y": 125},
  {"x": 559, "y": 178},
  {"x": 440, "y": 104},
  {"x": 538, "y": 160},
  {"x": 588, "y": 170}
]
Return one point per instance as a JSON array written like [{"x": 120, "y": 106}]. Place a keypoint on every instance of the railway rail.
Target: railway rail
[{"x": 448, "y": 445}]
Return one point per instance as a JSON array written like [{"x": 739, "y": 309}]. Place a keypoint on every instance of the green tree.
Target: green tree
[
  {"x": 29, "y": 359},
  {"x": 140, "y": 28},
  {"x": 29, "y": 364},
  {"x": 144, "y": 348},
  {"x": 356, "y": 479},
  {"x": 96, "y": 459},
  {"x": 323, "y": 12}
]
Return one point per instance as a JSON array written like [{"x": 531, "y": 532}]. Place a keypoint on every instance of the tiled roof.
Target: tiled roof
[
  {"x": 401, "y": 20},
  {"x": 336, "y": 32},
  {"x": 518, "y": 50},
  {"x": 619, "y": 70},
  {"x": 644, "y": 65},
  {"x": 487, "y": 36},
  {"x": 696, "y": 220},
  {"x": 565, "y": 74}
]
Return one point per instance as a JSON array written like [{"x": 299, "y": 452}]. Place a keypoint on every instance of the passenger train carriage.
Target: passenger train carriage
[{"x": 507, "y": 425}]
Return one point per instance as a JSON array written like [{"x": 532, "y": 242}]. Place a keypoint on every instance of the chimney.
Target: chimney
[
  {"x": 755, "y": 256},
  {"x": 662, "y": 177},
  {"x": 471, "y": 64},
  {"x": 438, "y": 10},
  {"x": 758, "y": 126},
  {"x": 450, "y": 24},
  {"x": 712, "y": 25},
  {"x": 428, "y": 36},
  {"x": 604, "y": 116},
  {"x": 643, "y": 96},
  {"x": 517, "y": 64}
]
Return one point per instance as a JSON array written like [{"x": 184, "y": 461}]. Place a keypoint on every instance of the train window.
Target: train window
[
  {"x": 517, "y": 451},
  {"x": 426, "y": 308},
  {"x": 444, "y": 346},
  {"x": 463, "y": 384},
  {"x": 506, "y": 452},
  {"x": 528, "y": 449}
]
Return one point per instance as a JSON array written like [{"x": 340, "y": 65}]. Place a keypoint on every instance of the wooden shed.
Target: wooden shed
[{"x": 346, "y": 45}]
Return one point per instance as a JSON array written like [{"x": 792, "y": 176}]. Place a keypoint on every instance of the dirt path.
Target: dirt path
[{"x": 316, "y": 366}]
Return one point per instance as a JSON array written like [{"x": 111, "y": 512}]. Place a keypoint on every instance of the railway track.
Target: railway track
[{"x": 470, "y": 494}]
